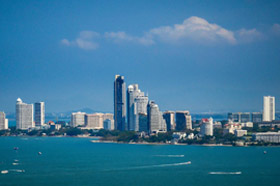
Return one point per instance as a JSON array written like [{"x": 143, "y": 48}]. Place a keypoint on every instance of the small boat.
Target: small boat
[
  {"x": 39, "y": 153},
  {"x": 4, "y": 171},
  {"x": 16, "y": 148},
  {"x": 264, "y": 152}
]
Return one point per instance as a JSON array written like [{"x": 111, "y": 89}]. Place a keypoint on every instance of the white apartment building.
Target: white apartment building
[
  {"x": 268, "y": 108},
  {"x": 24, "y": 115}
]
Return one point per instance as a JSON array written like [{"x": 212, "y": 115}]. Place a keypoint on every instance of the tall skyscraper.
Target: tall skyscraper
[
  {"x": 268, "y": 108},
  {"x": 24, "y": 115},
  {"x": 119, "y": 103},
  {"x": 132, "y": 93},
  {"x": 156, "y": 123},
  {"x": 39, "y": 113},
  {"x": 3, "y": 121},
  {"x": 206, "y": 127},
  {"x": 77, "y": 119},
  {"x": 183, "y": 120},
  {"x": 169, "y": 117},
  {"x": 140, "y": 107}
]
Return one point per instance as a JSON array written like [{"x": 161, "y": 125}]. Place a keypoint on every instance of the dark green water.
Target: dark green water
[{"x": 76, "y": 161}]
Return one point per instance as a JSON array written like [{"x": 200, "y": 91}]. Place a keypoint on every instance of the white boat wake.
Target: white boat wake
[
  {"x": 224, "y": 173},
  {"x": 171, "y": 156},
  {"x": 153, "y": 166}
]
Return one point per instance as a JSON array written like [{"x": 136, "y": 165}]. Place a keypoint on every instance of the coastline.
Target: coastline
[{"x": 157, "y": 143}]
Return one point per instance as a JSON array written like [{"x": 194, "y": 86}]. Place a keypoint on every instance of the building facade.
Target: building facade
[
  {"x": 183, "y": 120},
  {"x": 256, "y": 117},
  {"x": 143, "y": 122},
  {"x": 24, "y": 115},
  {"x": 206, "y": 127},
  {"x": 156, "y": 123},
  {"x": 77, "y": 119},
  {"x": 119, "y": 103},
  {"x": 268, "y": 108},
  {"x": 39, "y": 113},
  {"x": 140, "y": 107},
  {"x": 169, "y": 117},
  {"x": 271, "y": 137},
  {"x": 3, "y": 121}
]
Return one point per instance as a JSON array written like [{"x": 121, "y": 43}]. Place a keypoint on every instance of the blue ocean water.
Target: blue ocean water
[{"x": 77, "y": 161}]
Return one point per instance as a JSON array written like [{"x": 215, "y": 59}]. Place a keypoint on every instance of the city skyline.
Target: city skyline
[{"x": 68, "y": 59}]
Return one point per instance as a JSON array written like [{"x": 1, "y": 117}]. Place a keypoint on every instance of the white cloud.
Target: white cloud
[
  {"x": 86, "y": 40},
  {"x": 194, "y": 28},
  {"x": 251, "y": 35},
  {"x": 119, "y": 37}
]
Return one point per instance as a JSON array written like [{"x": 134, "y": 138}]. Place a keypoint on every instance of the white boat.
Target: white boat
[
  {"x": 39, "y": 153},
  {"x": 4, "y": 171}
]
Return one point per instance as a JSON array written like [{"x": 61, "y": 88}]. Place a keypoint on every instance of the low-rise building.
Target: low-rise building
[
  {"x": 240, "y": 133},
  {"x": 272, "y": 137},
  {"x": 231, "y": 127}
]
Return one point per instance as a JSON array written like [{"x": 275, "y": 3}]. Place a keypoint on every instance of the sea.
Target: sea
[{"x": 78, "y": 161}]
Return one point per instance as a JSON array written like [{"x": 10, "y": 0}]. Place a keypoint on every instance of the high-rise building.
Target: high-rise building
[
  {"x": 132, "y": 93},
  {"x": 119, "y": 103},
  {"x": 241, "y": 117},
  {"x": 169, "y": 117},
  {"x": 24, "y": 115},
  {"x": 206, "y": 128},
  {"x": 256, "y": 117},
  {"x": 143, "y": 122},
  {"x": 39, "y": 113},
  {"x": 140, "y": 107},
  {"x": 268, "y": 108},
  {"x": 77, "y": 119},
  {"x": 183, "y": 120},
  {"x": 3, "y": 121},
  {"x": 245, "y": 117},
  {"x": 156, "y": 123}
]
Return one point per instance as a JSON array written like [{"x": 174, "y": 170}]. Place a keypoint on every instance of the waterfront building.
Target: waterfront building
[
  {"x": 24, "y": 115},
  {"x": 140, "y": 107},
  {"x": 39, "y": 113},
  {"x": 268, "y": 108},
  {"x": 94, "y": 121},
  {"x": 119, "y": 103},
  {"x": 256, "y": 117},
  {"x": 240, "y": 133},
  {"x": 107, "y": 124},
  {"x": 156, "y": 123},
  {"x": 206, "y": 128},
  {"x": 271, "y": 137},
  {"x": 77, "y": 119},
  {"x": 109, "y": 116},
  {"x": 183, "y": 120},
  {"x": 231, "y": 127},
  {"x": 3, "y": 121},
  {"x": 143, "y": 122},
  {"x": 169, "y": 117},
  {"x": 136, "y": 103}
]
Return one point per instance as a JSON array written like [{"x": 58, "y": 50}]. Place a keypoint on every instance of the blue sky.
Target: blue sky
[{"x": 198, "y": 55}]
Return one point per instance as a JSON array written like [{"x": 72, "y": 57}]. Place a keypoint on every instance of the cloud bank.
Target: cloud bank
[{"x": 194, "y": 29}]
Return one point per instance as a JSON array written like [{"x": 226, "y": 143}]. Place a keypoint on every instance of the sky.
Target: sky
[{"x": 202, "y": 56}]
